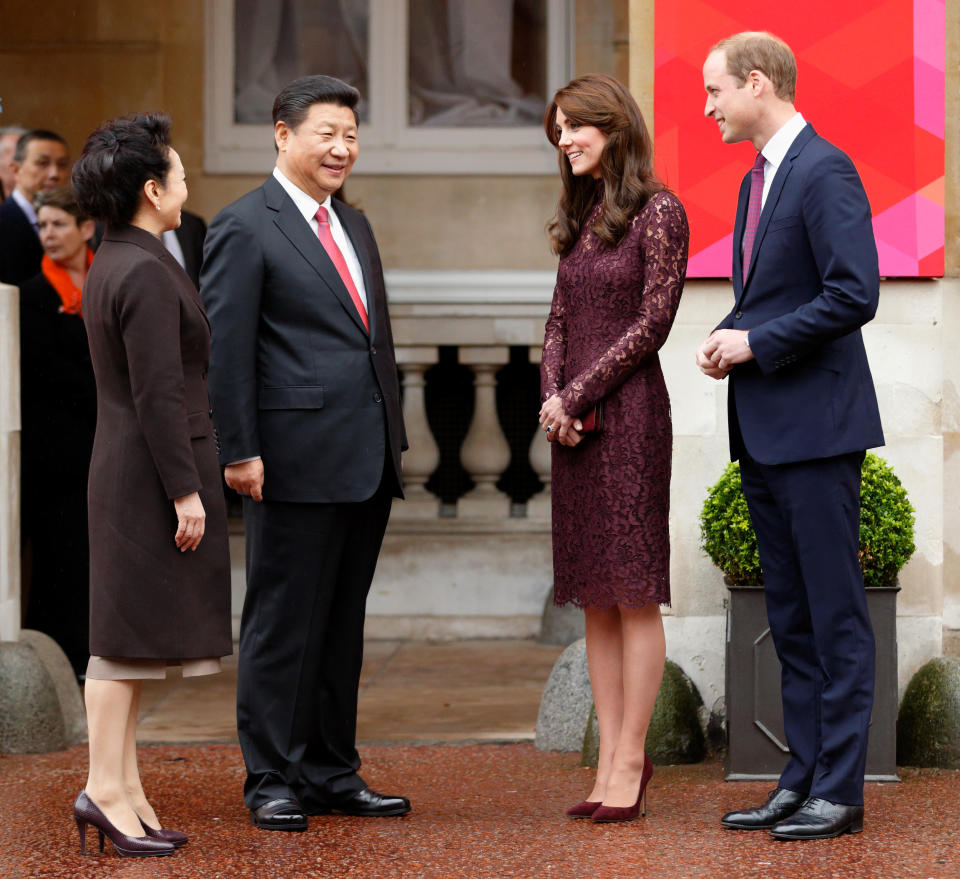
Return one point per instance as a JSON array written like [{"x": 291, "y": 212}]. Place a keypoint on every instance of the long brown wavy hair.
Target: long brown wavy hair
[{"x": 626, "y": 163}]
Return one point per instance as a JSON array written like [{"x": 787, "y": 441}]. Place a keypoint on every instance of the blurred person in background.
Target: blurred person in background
[
  {"x": 58, "y": 417},
  {"x": 40, "y": 161}
]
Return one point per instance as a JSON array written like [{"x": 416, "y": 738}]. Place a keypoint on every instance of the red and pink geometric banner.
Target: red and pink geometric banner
[{"x": 870, "y": 79}]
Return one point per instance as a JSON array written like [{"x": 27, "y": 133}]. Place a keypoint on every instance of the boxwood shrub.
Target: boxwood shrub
[{"x": 886, "y": 527}]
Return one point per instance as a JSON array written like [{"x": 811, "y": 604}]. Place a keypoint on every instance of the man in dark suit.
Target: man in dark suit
[
  {"x": 40, "y": 162},
  {"x": 185, "y": 243},
  {"x": 307, "y": 406},
  {"x": 802, "y": 411}
]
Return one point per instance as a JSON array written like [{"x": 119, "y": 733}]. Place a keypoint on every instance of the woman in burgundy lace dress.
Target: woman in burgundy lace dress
[{"x": 622, "y": 240}]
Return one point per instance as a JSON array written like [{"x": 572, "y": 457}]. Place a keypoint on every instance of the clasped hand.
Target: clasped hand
[
  {"x": 564, "y": 429},
  {"x": 723, "y": 350}
]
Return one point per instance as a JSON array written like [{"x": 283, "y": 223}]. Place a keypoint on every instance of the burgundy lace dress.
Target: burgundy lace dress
[{"x": 612, "y": 309}]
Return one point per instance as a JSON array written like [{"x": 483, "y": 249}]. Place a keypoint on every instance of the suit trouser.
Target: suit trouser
[
  {"x": 309, "y": 569},
  {"x": 807, "y": 519}
]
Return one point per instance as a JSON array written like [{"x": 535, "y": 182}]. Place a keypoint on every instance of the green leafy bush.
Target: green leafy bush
[{"x": 886, "y": 527}]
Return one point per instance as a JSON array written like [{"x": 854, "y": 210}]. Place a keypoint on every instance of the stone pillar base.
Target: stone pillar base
[{"x": 31, "y": 721}]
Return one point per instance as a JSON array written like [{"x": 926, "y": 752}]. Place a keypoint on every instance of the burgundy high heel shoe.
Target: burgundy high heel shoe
[
  {"x": 174, "y": 837},
  {"x": 86, "y": 811},
  {"x": 608, "y": 814},
  {"x": 584, "y": 809}
]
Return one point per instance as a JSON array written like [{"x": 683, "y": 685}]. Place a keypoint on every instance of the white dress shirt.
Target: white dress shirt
[
  {"x": 776, "y": 149},
  {"x": 26, "y": 207},
  {"x": 172, "y": 243},
  {"x": 307, "y": 205}
]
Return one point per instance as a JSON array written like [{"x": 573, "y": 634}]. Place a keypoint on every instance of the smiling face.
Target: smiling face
[
  {"x": 173, "y": 193},
  {"x": 318, "y": 155},
  {"x": 731, "y": 104},
  {"x": 581, "y": 144},
  {"x": 61, "y": 235}
]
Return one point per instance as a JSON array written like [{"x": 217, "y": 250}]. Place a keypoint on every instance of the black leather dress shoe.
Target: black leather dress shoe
[
  {"x": 279, "y": 815},
  {"x": 820, "y": 819},
  {"x": 369, "y": 803},
  {"x": 781, "y": 803}
]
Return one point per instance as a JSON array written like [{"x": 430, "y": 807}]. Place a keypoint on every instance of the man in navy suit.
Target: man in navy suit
[
  {"x": 306, "y": 401},
  {"x": 802, "y": 411},
  {"x": 40, "y": 162}
]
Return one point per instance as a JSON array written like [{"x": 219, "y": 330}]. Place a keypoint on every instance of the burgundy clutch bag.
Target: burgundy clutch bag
[{"x": 593, "y": 421}]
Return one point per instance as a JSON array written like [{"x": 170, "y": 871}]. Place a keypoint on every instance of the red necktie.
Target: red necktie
[
  {"x": 754, "y": 206},
  {"x": 330, "y": 246}
]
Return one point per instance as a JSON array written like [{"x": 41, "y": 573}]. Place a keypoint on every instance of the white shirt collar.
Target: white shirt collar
[
  {"x": 306, "y": 204},
  {"x": 776, "y": 148},
  {"x": 25, "y": 206}
]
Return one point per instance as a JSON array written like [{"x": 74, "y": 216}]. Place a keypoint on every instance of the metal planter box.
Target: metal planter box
[{"x": 756, "y": 745}]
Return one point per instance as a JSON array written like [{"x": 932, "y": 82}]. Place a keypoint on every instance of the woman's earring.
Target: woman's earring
[{"x": 158, "y": 207}]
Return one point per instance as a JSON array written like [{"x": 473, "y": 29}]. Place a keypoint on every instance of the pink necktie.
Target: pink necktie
[
  {"x": 753, "y": 212},
  {"x": 336, "y": 257}
]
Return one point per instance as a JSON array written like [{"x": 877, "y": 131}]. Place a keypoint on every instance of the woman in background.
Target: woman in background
[
  {"x": 58, "y": 402},
  {"x": 159, "y": 563},
  {"x": 622, "y": 241}
]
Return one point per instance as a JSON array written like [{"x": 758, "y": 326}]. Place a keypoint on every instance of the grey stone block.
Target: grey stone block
[
  {"x": 31, "y": 721},
  {"x": 566, "y": 702},
  {"x": 928, "y": 728},
  {"x": 675, "y": 734},
  {"x": 68, "y": 690},
  {"x": 561, "y": 625}
]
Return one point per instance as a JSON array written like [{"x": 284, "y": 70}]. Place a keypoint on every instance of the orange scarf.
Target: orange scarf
[{"x": 60, "y": 280}]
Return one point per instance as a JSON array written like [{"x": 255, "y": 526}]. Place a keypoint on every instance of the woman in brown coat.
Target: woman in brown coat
[{"x": 159, "y": 563}]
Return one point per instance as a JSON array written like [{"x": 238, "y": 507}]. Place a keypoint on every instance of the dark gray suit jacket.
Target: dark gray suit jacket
[
  {"x": 294, "y": 376},
  {"x": 20, "y": 250}
]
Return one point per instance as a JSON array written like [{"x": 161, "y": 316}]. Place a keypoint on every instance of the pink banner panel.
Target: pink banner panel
[{"x": 870, "y": 80}]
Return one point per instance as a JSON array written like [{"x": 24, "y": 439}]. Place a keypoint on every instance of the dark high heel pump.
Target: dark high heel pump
[
  {"x": 174, "y": 837},
  {"x": 608, "y": 814},
  {"x": 584, "y": 809},
  {"x": 86, "y": 811}
]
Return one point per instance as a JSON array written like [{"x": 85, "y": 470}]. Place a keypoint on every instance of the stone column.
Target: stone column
[
  {"x": 538, "y": 507},
  {"x": 485, "y": 452},
  {"x": 423, "y": 456},
  {"x": 9, "y": 463}
]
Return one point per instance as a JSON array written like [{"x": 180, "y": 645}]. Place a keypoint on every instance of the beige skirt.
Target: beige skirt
[{"x": 105, "y": 668}]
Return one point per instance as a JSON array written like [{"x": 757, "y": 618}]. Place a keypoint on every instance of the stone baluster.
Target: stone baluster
[
  {"x": 423, "y": 456},
  {"x": 485, "y": 452},
  {"x": 9, "y": 463},
  {"x": 538, "y": 507}
]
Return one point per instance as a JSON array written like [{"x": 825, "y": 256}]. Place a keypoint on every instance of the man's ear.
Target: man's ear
[
  {"x": 281, "y": 131},
  {"x": 756, "y": 81}
]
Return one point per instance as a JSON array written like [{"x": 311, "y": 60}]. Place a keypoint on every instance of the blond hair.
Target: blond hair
[{"x": 759, "y": 50}]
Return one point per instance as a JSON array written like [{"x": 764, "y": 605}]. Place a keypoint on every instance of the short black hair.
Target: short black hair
[
  {"x": 117, "y": 159},
  {"x": 296, "y": 98},
  {"x": 20, "y": 151}
]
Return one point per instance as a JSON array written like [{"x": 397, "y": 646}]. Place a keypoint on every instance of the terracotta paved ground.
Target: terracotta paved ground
[{"x": 479, "y": 811}]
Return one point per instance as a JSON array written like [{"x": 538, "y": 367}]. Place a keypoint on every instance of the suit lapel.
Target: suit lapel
[
  {"x": 298, "y": 232},
  {"x": 355, "y": 232}
]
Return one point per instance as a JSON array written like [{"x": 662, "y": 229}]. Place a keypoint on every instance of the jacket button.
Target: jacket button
[
  {"x": 376, "y": 397},
  {"x": 738, "y": 315},
  {"x": 373, "y": 349},
  {"x": 210, "y": 413}
]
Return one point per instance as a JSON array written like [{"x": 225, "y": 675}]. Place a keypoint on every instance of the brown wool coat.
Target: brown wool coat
[{"x": 150, "y": 344}]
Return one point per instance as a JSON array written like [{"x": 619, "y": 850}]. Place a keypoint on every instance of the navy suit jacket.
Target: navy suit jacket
[
  {"x": 294, "y": 376},
  {"x": 20, "y": 250},
  {"x": 813, "y": 283}
]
